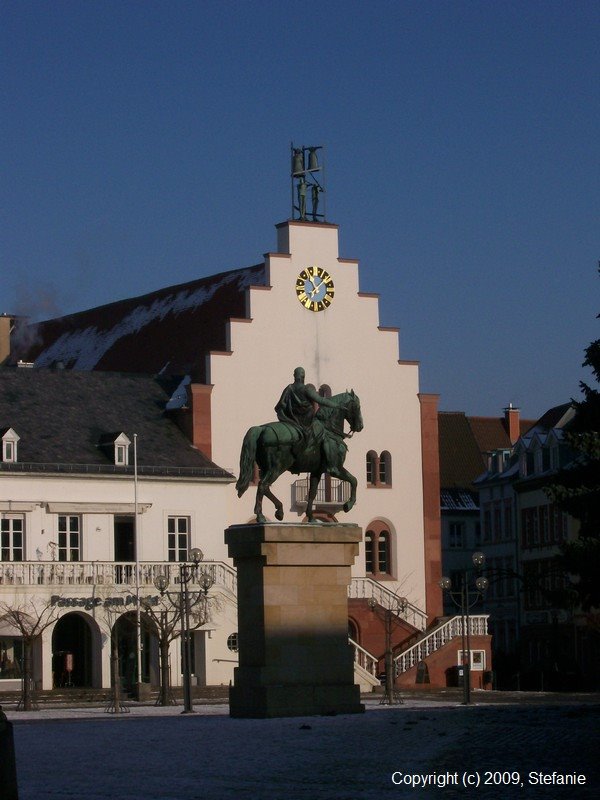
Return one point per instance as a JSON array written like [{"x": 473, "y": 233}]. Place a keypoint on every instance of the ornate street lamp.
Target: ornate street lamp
[
  {"x": 391, "y": 615},
  {"x": 188, "y": 572},
  {"x": 465, "y": 599}
]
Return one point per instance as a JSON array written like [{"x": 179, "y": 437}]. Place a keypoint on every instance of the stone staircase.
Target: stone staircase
[
  {"x": 436, "y": 637},
  {"x": 427, "y": 642}
]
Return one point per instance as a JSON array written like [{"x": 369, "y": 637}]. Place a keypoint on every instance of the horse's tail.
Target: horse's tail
[{"x": 247, "y": 459}]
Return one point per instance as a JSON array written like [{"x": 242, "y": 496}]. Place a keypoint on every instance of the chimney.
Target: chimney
[
  {"x": 200, "y": 423},
  {"x": 512, "y": 423},
  {"x": 7, "y": 324}
]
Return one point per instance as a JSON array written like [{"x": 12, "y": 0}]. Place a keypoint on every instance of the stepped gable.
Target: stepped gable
[
  {"x": 64, "y": 418},
  {"x": 165, "y": 332}
]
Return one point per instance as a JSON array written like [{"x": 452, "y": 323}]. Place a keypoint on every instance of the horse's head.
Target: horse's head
[{"x": 352, "y": 412}]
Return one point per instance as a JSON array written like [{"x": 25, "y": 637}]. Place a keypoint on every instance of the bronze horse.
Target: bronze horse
[{"x": 277, "y": 447}]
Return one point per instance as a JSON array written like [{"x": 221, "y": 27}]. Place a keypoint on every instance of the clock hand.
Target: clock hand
[{"x": 316, "y": 289}]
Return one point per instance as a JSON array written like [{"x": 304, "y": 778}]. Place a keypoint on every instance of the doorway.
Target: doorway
[
  {"x": 72, "y": 652},
  {"x": 124, "y": 549}
]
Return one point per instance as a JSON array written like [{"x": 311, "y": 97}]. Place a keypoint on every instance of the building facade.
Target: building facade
[{"x": 229, "y": 345}]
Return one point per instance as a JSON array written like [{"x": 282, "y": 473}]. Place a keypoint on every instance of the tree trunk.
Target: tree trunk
[
  {"x": 164, "y": 671},
  {"x": 27, "y": 674}
]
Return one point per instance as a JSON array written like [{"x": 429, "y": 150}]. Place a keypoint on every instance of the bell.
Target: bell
[
  {"x": 313, "y": 163},
  {"x": 297, "y": 162}
]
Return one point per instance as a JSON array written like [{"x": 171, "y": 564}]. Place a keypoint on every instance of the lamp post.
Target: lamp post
[
  {"x": 391, "y": 615},
  {"x": 465, "y": 599},
  {"x": 188, "y": 572}
]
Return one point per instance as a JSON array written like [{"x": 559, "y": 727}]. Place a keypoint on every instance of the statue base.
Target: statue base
[{"x": 294, "y": 655}]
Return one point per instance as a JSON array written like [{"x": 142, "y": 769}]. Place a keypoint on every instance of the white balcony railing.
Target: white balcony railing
[
  {"x": 109, "y": 573},
  {"x": 437, "y": 638},
  {"x": 367, "y": 588}
]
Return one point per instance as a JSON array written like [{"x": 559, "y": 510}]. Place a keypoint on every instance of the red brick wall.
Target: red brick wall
[
  {"x": 446, "y": 657},
  {"x": 431, "y": 504}
]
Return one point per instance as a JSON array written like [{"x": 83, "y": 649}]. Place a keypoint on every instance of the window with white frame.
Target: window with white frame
[
  {"x": 178, "y": 538},
  {"x": 121, "y": 452},
  {"x": 477, "y": 660},
  {"x": 10, "y": 439},
  {"x": 69, "y": 537},
  {"x": 12, "y": 538}
]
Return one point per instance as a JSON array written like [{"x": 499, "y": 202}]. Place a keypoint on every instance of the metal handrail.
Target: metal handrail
[{"x": 332, "y": 491}]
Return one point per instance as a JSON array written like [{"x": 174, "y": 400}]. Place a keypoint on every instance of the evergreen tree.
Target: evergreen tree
[{"x": 576, "y": 488}]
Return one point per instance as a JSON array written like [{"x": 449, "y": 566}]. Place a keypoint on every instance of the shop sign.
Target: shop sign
[{"x": 88, "y": 603}]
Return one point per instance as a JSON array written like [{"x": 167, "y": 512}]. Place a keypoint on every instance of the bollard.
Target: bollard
[{"x": 8, "y": 764}]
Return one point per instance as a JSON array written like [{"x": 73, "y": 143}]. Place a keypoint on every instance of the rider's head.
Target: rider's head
[{"x": 299, "y": 374}]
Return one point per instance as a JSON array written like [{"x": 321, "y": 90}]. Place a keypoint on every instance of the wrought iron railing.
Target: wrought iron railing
[{"x": 331, "y": 491}]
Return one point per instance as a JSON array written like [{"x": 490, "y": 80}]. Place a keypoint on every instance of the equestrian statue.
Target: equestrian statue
[{"x": 301, "y": 441}]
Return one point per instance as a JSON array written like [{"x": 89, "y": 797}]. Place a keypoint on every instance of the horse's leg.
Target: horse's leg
[
  {"x": 276, "y": 502},
  {"x": 342, "y": 473},
  {"x": 276, "y": 465},
  {"x": 347, "y": 476},
  {"x": 335, "y": 461},
  {"x": 315, "y": 477},
  {"x": 260, "y": 518}
]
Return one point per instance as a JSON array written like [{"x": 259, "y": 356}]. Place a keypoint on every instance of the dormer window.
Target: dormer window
[
  {"x": 116, "y": 447},
  {"x": 10, "y": 439},
  {"x": 122, "y": 443},
  {"x": 121, "y": 455}
]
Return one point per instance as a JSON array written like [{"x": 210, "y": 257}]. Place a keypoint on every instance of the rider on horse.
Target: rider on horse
[{"x": 296, "y": 408}]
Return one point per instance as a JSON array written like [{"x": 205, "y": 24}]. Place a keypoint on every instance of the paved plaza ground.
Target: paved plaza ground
[{"x": 521, "y": 744}]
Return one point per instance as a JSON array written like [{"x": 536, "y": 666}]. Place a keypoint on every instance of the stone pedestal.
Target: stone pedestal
[{"x": 294, "y": 655}]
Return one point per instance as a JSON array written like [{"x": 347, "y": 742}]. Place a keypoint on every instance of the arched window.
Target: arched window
[
  {"x": 352, "y": 630},
  {"x": 325, "y": 391},
  {"x": 385, "y": 469},
  {"x": 379, "y": 468},
  {"x": 372, "y": 468},
  {"x": 383, "y": 552},
  {"x": 378, "y": 550},
  {"x": 369, "y": 562}
]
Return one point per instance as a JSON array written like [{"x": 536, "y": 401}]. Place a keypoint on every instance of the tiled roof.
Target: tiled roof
[
  {"x": 169, "y": 331},
  {"x": 63, "y": 415},
  {"x": 458, "y": 500},
  {"x": 464, "y": 443},
  {"x": 460, "y": 457},
  {"x": 555, "y": 417}
]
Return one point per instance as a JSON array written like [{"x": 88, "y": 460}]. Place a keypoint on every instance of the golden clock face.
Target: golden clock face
[{"x": 314, "y": 288}]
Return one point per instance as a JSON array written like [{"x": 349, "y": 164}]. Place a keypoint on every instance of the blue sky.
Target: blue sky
[{"x": 147, "y": 144}]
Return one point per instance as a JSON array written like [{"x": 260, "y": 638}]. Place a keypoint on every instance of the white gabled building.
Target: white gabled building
[{"x": 69, "y": 501}]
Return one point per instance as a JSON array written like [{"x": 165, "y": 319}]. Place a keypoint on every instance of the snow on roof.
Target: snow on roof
[{"x": 168, "y": 331}]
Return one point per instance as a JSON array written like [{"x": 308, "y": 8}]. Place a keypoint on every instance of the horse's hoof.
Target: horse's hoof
[
  {"x": 261, "y": 520},
  {"x": 279, "y": 514}
]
